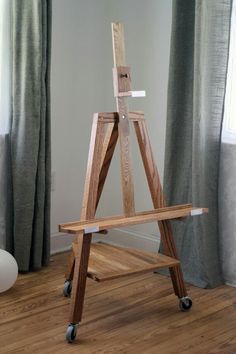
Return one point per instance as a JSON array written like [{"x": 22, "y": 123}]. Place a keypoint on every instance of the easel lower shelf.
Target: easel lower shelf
[{"x": 107, "y": 262}]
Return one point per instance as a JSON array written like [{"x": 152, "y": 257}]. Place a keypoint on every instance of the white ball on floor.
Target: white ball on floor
[{"x": 8, "y": 270}]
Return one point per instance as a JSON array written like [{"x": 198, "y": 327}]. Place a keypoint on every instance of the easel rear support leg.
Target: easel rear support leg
[
  {"x": 158, "y": 202},
  {"x": 70, "y": 267},
  {"x": 170, "y": 250}
]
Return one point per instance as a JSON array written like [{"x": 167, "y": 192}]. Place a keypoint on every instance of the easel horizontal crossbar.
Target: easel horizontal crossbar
[
  {"x": 112, "y": 117},
  {"x": 174, "y": 212}
]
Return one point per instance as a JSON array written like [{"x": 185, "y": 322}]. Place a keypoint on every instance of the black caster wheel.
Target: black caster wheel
[
  {"x": 185, "y": 303},
  {"x": 71, "y": 333},
  {"x": 67, "y": 288}
]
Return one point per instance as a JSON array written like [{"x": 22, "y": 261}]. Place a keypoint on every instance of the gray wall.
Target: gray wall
[{"x": 82, "y": 84}]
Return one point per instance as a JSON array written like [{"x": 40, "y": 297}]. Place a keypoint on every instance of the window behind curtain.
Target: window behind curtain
[
  {"x": 5, "y": 72},
  {"x": 229, "y": 124}
]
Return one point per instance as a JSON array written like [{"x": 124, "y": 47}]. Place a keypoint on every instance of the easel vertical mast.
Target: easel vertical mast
[{"x": 121, "y": 77}]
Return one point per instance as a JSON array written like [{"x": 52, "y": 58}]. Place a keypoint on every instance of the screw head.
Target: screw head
[{"x": 123, "y": 116}]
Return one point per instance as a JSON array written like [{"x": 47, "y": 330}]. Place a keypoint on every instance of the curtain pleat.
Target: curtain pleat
[
  {"x": 30, "y": 132},
  {"x": 197, "y": 78}
]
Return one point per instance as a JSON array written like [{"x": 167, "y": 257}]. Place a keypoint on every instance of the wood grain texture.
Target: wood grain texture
[
  {"x": 69, "y": 273},
  {"x": 108, "y": 262},
  {"x": 132, "y": 315},
  {"x": 127, "y": 178},
  {"x": 118, "y": 44},
  {"x": 150, "y": 168},
  {"x": 101, "y": 224},
  {"x": 93, "y": 169},
  {"x": 121, "y": 80},
  {"x": 109, "y": 145},
  {"x": 159, "y": 202},
  {"x": 79, "y": 278},
  {"x": 88, "y": 212},
  {"x": 111, "y": 117},
  {"x": 124, "y": 130},
  {"x": 86, "y": 222}
]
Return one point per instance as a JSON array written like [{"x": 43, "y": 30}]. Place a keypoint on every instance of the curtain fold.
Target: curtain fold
[
  {"x": 197, "y": 79},
  {"x": 6, "y": 193},
  {"x": 30, "y": 132},
  {"x": 227, "y": 202},
  {"x": 227, "y": 185},
  {"x": 5, "y": 113}
]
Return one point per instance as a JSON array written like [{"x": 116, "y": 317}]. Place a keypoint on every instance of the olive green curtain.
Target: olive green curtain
[
  {"x": 197, "y": 79},
  {"x": 30, "y": 133}
]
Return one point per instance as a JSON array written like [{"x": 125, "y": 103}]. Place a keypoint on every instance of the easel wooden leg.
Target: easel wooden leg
[
  {"x": 170, "y": 250},
  {"x": 70, "y": 267},
  {"x": 80, "y": 276},
  {"x": 102, "y": 147},
  {"x": 158, "y": 202},
  {"x": 109, "y": 145}
]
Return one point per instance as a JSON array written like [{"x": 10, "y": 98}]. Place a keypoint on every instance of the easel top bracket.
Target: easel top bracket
[
  {"x": 121, "y": 72},
  {"x": 122, "y": 83}
]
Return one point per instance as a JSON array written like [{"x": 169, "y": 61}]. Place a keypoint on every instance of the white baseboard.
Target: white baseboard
[
  {"x": 133, "y": 239},
  {"x": 230, "y": 284},
  {"x": 120, "y": 237},
  {"x": 61, "y": 242}
]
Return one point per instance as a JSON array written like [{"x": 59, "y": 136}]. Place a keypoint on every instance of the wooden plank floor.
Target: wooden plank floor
[{"x": 136, "y": 314}]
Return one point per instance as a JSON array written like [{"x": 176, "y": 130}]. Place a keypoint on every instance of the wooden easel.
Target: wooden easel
[{"x": 107, "y": 128}]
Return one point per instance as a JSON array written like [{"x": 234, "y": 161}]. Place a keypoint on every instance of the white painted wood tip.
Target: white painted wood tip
[
  {"x": 131, "y": 94},
  {"x": 198, "y": 211},
  {"x": 138, "y": 93},
  {"x": 90, "y": 230}
]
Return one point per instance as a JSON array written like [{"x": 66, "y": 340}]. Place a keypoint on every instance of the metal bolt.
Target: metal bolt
[{"x": 123, "y": 116}]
